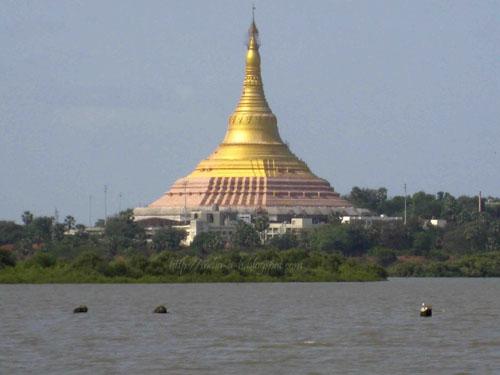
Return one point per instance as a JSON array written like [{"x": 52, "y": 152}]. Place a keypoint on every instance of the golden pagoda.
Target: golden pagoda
[{"x": 252, "y": 169}]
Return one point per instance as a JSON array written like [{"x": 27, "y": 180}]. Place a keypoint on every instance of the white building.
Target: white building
[
  {"x": 437, "y": 223},
  {"x": 210, "y": 221},
  {"x": 225, "y": 224},
  {"x": 369, "y": 220},
  {"x": 295, "y": 226}
]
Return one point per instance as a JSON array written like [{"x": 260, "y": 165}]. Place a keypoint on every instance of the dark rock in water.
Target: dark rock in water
[
  {"x": 161, "y": 310},
  {"x": 81, "y": 309},
  {"x": 426, "y": 310}
]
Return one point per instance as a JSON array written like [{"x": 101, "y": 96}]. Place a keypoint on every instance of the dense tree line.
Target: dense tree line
[
  {"x": 122, "y": 252},
  {"x": 468, "y": 231},
  {"x": 169, "y": 266},
  {"x": 417, "y": 248}
]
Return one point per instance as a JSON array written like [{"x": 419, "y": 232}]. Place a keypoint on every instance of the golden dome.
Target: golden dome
[
  {"x": 252, "y": 145},
  {"x": 252, "y": 167}
]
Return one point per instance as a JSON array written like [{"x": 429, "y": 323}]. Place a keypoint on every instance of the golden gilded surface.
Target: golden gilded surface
[
  {"x": 252, "y": 145},
  {"x": 252, "y": 168}
]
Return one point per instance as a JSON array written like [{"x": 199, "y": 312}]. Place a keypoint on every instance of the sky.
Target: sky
[{"x": 133, "y": 94}]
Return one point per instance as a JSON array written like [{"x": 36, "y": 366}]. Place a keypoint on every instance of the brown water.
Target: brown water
[{"x": 316, "y": 328}]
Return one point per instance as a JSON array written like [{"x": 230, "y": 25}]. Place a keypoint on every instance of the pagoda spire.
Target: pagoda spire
[
  {"x": 253, "y": 99},
  {"x": 252, "y": 121}
]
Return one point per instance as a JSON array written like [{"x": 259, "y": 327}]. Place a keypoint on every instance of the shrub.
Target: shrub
[
  {"x": 383, "y": 255},
  {"x": 207, "y": 242},
  {"x": 284, "y": 242},
  {"x": 117, "y": 267},
  {"x": 7, "y": 258},
  {"x": 89, "y": 260},
  {"x": 44, "y": 259}
]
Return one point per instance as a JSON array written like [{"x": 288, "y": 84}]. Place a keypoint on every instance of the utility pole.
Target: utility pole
[
  {"x": 105, "y": 203},
  {"x": 480, "y": 203},
  {"x": 56, "y": 221},
  {"x": 405, "y": 205},
  {"x": 185, "y": 200},
  {"x": 119, "y": 202},
  {"x": 90, "y": 210}
]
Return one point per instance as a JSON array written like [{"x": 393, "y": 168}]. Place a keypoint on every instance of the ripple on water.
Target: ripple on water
[{"x": 346, "y": 328}]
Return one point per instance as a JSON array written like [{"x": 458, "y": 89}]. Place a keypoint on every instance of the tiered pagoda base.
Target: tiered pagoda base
[{"x": 307, "y": 196}]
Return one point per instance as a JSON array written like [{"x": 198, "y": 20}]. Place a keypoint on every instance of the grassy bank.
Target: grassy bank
[
  {"x": 480, "y": 265},
  {"x": 168, "y": 267},
  {"x": 294, "y": 265}
]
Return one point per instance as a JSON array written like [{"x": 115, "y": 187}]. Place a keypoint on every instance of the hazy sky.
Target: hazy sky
[{"x": 133, "y": 94}]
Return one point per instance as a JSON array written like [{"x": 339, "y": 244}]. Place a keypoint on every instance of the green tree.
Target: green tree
[
  {"x": 394, "y": 206},
  {"x": 449, "y": 206},
  {"x": 423, "y": 242},
  {"x": 359, "y": 239},
  {"x": 331, "y": 238},
  {"x": 58, "y": 231},
  {"x": 454, "y": 241},
  {"x": 207, "y": 242},
  {"x": 493, "y": 210},
  {"x": 372, "y": 199},
  {"x": 39, "y": 230},
  {"x": 394, "y": 235},
  {"x": 10, "y": 232},
  {"x": 121, "y": 232},
  {"x": 245, "y": 236},
  {"x": 476, "y": 233},
  {"x": 425, "y": 205},
  {"x": 168, "y": 238},
  {"x": 493, "y": 240},
  {"x": 349, "y": 239}
]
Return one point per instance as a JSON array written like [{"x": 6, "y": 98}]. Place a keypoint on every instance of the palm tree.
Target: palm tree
[
  {"x": 27, "y": 217},
  {"x": 69, "y": 222}
]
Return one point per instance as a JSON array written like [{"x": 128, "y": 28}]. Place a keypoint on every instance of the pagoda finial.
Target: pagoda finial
[
  {"x": 253, "y": 99},
  {"x": 253, "y": 33}
]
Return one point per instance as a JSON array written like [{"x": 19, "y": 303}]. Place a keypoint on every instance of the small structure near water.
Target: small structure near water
[
  {"x": 81, "y": 309},
  {"x": 160, "y": 310},
  {"x": 426, "y": 310}
]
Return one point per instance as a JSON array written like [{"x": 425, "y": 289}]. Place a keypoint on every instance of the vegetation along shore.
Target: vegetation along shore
[{"x": 42, "y": 250}]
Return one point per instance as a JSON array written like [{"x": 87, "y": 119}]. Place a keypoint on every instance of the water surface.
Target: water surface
[{"x": 263, "y": 328}]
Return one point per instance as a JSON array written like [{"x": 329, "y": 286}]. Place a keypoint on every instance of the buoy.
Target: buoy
[
  {"x": 161, "y": 310},
  {"x": 81, "y": 309},
  {"x": 426, "y": 310}
]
